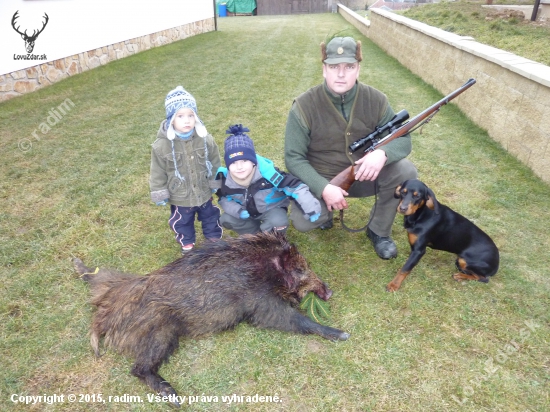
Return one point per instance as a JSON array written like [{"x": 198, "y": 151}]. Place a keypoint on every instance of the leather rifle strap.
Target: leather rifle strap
[{"x": 364, "y": 228}]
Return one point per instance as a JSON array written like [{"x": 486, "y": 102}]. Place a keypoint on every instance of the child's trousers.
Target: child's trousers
[
  {"x": 276, "y": 218},
  {"x": 182, "y": 222}
]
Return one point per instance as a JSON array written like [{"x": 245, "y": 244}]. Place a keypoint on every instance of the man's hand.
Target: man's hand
[
  {"x": 369, "y": 166},
  {"x": 334, "y": 198}
]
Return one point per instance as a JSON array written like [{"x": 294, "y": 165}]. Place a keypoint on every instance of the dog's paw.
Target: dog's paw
[
  {"x": 459, "y": 277},
  {"x": 462, "y": 277}
]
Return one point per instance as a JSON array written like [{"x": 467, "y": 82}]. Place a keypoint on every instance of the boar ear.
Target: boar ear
[
  {"x": 284, "y": 277},
  {"x": 281, "y": 263}
]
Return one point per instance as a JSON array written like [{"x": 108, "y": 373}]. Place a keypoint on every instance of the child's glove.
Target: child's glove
[
  {"x": 244, "y": 214},
  {"x": 162, "y": 202},
  {"x": 312, "y": 208},
  {"x": 314, "y": 217}
]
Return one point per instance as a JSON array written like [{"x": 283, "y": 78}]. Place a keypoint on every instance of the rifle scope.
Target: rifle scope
[{"x": 395, "y": 123}]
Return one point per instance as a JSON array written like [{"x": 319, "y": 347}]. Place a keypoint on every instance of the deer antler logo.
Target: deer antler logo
[{"x": 29, "y": 40}]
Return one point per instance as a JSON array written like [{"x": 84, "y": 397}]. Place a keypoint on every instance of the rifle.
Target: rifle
[{"x": 396, "y": 128}]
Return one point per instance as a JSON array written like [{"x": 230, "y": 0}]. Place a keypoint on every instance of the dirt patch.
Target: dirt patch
[
  {"x": 506, "y": 14},
  {"x": 520, "y": 13},
  {"x": 51, "y": 378}
]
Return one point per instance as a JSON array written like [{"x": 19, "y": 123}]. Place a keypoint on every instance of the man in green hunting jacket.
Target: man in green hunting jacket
[{"x": 323, "y": 122}]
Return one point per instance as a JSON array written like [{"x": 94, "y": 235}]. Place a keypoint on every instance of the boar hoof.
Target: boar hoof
[
  {"x": 167, "y": 391},
  {"x": 343, "y": 336}
]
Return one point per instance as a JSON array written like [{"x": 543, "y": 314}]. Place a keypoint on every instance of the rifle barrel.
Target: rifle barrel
[
  {"x": 346, "y": 177},
  {"x": 447, "y": 98},
  {"x": 405, "y": 128}
]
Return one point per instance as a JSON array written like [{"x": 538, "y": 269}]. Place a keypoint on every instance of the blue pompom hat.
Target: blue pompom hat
[
  {"x": 178, "y": 99},
  {"x": 238, "y": 146},
  {"x": 175, "y": 100}
]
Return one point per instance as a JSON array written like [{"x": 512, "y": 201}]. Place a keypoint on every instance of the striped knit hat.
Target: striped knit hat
[
  {"x": 178, "y": 99},
  {"x": 238, "y": 146}
]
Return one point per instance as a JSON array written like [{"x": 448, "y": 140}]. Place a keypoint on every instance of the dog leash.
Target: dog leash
[
  {"x": 349, "y": 229},
  {"x": 364, "y": 228}
]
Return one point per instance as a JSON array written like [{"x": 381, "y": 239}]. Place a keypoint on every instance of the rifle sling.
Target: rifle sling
[{"x": 364, "y": 228}]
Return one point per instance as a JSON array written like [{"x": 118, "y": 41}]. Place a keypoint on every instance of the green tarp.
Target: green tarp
[{"x": 240, "y": 6}]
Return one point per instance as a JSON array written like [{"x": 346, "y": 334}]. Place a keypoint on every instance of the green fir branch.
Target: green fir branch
[{"x": 316, "y": 308}]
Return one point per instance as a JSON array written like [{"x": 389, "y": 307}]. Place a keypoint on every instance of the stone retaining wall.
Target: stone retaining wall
[
  {"x": 511, "y": 99},
  {"x": 36, "y": 77}
]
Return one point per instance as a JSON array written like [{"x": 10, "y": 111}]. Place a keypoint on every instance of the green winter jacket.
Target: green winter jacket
[
  {"x": 321, "y": 126},
  {"x": 195, "y": 187}
]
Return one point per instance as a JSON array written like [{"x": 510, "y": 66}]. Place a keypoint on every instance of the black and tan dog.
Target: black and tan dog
[{"x": 433, "y": 224}]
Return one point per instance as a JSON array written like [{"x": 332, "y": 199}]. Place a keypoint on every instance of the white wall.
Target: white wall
[{"x": 76, "y": 26}]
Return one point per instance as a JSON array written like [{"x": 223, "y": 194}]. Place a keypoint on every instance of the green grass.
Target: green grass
[
  {"x": 468, "y": 18},
  {"x": 82, "y": 190}
]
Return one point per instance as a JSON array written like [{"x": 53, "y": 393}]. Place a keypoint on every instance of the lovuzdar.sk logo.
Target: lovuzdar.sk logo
[{"x": 29, "y": 39}]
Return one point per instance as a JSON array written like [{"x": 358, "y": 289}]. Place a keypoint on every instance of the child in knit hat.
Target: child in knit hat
[
  {"x": 183, "y": 161},
  {"x": 254, "y": 194}
]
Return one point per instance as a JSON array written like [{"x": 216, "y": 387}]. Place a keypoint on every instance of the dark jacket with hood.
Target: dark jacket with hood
[{"x": 268, "y": 189}]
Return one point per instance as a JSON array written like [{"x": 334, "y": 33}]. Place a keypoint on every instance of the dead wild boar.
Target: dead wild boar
[{"x": 258, "y": 278}]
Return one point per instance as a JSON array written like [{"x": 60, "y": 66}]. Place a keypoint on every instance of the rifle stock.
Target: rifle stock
[{"x": 346, "y": 177}]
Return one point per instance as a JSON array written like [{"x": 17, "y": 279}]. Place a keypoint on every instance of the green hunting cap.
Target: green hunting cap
[{"x": 341, "y": 50}]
